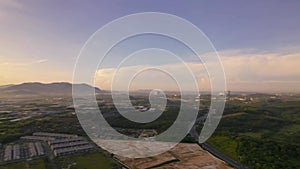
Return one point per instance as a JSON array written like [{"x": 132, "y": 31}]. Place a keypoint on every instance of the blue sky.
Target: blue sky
[
  {"x": 230, "y": 25},
  {"x": 38, "y": 36}
]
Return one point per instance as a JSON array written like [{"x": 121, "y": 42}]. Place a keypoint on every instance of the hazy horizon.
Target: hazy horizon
[{"x": 148, "y": 89}]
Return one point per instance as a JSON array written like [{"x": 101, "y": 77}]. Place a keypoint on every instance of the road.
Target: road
[
  {"x": 221, "y": 156},
  {"x": 50, "y": 156},
  {"x": 213, "y": 151}
]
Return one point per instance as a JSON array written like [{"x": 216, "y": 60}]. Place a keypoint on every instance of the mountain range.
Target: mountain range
[{"x": 42, "y": 89}]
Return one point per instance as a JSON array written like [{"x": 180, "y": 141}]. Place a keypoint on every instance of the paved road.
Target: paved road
[
  {"x": 213, "y": 151},
  {"x": 50, "y": 156},
  {"x": 216, "y": 153}
]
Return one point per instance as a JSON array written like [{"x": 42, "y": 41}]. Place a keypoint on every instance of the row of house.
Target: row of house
[
  {"x": 37, "y": 138},
  {"x": 68, "y": 145},
  {"x": 12, "y": 152},
  {"x": 16, "y": 152},
  {"x": 68, "y": 140},
  {"x": 73, "y": 150},
  {"x": 44, "y": 136},
  {"x": 61, "y": 147},
  {"x": 35, "y": 149},
  {"x": 61, "y": 144},
  {"x": 8, "y": 153},
  {"x": 54, "y": 135}
]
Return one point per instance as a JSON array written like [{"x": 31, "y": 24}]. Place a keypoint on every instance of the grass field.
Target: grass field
[
  {"x": 224, "y": 144},
  {"x": 35, "y": 164},
  {"x": 93, "y": 160}
]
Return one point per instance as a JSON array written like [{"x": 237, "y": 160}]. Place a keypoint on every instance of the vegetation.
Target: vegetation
[
  {"x": 161, "y": 124},
  {"x": 10, "y": 132},
  {"x": 268, "y": 154},
  {"x": 34, "y": 164},
  {"x": 260, "y": 135},
  {"x": 229, "y": 148},
  {"x": 85, "y": 161}
]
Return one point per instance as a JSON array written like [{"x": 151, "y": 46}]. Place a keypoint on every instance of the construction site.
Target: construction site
[{"x": 181, "y": 156}]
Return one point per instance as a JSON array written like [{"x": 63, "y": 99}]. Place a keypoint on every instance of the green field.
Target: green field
[
  {"x": 226, "y": 144},
  {"x": 94, "y": 160},
  {"x": 85, "y": 161},
  {"x": 35, "y": 164}
]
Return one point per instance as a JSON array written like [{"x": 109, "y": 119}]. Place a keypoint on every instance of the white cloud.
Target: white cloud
[
  {"x": 157, "y": 77},
  {"x": 246, "y": 71},
  {"x": 24, "y": 63},
  {"x": 262, "y": 72},
  {"x": 40, "y": 61}
]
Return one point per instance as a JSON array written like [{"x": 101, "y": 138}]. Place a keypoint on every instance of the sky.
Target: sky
[{"x": 258, "y": 41}]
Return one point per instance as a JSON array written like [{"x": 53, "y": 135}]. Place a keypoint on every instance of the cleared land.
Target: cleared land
[{"x": 188, "y": 156}]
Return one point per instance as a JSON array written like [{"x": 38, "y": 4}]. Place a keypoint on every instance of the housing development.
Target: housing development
[{"x": 35, "y": 145}]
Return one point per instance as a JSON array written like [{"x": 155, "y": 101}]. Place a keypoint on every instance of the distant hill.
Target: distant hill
[
  {"x": 42, "y": 89},
  {"x": 5, "y": 86}
]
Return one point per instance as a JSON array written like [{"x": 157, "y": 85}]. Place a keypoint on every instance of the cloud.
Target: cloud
[
  {"x": 24, "y": 63},
  {"x": 40, "y": 61},
  {"x": 245, "y": 71},
  {"x": 166, "y": 77},
  {"x": 262, "y": 67},
  {"x": 257, "y": 71}
]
